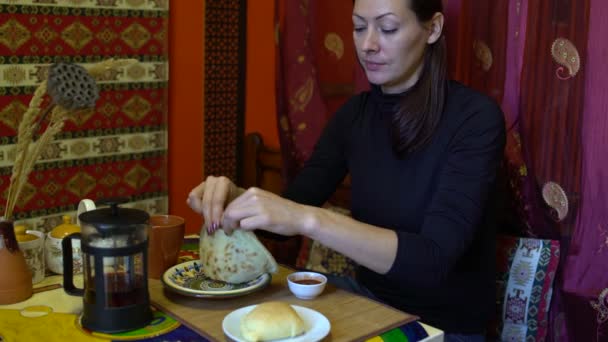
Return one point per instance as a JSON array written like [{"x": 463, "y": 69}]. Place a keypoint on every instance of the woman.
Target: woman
[{"x": 422, "y": 153}]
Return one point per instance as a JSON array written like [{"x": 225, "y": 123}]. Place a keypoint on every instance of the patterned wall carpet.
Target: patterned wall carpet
[
  {"x": 120, "y": 148},
  {"x": 225, "y": 60}
]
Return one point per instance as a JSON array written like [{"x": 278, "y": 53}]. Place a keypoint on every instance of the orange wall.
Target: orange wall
[
  {"x": 260, "y": 113},
  {"x": 186, "y": 84},
  {"x": 186, "y": 91}
]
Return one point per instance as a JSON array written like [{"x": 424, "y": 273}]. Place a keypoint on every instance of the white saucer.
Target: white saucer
[{"x": 317, "y": 326}]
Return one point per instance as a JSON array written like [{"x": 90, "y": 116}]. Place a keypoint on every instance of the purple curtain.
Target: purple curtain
[
  {"x": 585, "y": 272},
  {"x": 543, "y": 61}
]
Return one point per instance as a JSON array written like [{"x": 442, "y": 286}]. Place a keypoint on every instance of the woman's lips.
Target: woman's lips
[{"x": 371, "y": 66}]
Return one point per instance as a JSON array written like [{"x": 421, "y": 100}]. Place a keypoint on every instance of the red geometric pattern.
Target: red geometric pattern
[
  {"x": 71, "y": 31},
  {"x": 118, "y": 149}
]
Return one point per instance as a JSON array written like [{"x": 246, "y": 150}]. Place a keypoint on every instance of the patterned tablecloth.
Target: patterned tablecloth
[{"x": 54, "y": 316}]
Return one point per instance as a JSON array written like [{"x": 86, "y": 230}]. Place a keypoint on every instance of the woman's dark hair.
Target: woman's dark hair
[{"x": 419, "y": 113}]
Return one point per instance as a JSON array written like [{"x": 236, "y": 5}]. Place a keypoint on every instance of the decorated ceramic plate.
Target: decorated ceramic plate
[
  {"x": 317, "y": 326},
  {"x": 188, "y": 279}
]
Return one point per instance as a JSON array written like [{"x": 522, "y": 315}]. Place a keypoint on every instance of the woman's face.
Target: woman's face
[{"x": 390, "y": 43}]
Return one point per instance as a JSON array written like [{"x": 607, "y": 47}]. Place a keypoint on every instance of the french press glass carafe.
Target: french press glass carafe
[{"x": 114, "y": 244}]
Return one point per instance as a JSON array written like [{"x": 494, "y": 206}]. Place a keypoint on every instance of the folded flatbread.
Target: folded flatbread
[
  {"x": 271, "y": 321},
  {"x": 236, "y": 258}
]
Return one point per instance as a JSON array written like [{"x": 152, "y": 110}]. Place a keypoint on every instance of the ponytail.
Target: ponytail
[{"x": 419, "y": 113}]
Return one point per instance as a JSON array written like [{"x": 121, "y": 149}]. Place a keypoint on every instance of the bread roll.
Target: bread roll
[
  {"x": 271, "y": 321},
  {"x": 236, "y": 258}
]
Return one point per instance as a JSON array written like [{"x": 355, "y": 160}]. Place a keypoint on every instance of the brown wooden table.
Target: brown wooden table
[{"x": 352, "y": 317}]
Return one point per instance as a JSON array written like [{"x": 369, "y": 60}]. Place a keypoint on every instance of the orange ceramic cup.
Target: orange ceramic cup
[{"x": 164, "y": 243}]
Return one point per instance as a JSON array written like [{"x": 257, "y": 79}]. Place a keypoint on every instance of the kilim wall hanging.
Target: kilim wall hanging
[
  {"x": 225, "y": 59},
  {"x": 118, "y": 149}
]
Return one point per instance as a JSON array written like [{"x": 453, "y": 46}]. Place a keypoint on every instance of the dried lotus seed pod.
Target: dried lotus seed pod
[{"x": 71, "y": 86}]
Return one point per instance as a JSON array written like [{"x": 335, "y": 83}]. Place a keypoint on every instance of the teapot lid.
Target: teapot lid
[
  {"x": 64, "y": 229},
  {"x": 114, "y": 218}
]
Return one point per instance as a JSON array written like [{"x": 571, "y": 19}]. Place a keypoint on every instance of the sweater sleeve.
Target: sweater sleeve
[
  {"x": 327, "y": 166},
  {"x": 456, "y": 210}
]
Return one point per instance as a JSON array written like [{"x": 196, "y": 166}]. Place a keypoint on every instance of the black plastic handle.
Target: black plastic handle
[{"x": 68, "y": 267}]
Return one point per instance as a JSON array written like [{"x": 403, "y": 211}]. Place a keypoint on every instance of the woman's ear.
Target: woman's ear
[{"x": 436, "y": 27}]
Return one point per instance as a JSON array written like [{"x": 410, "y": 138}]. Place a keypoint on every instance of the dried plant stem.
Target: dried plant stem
[
  {"x": 25, "y": 136},
  {"x": 27, "y": 150},
  {"x": 58, "y": 117},
  {"x": 34, "y": 108},
  {"x": 43, "y": 116}
]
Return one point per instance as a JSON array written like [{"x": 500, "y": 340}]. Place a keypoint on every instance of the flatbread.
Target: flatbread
[
  {"x": 236, "y": 258},
  {"x": 271, "y": 321}
]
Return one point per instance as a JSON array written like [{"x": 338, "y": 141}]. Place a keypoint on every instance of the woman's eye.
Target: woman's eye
[
  {"x": 389, "y": 31},
  {"x": 359, "y": 29}
]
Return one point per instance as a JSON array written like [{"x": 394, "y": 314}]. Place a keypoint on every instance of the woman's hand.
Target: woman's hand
[
  {"x": 211, "y": 197},
  {"x": 260, "y": 209}
]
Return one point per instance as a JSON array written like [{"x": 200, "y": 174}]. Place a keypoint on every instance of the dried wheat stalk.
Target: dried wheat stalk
[
  {"x": 65, "y": 101},
  {"x": 25, "y": 136},
  {"x": 58, "y": 116}
]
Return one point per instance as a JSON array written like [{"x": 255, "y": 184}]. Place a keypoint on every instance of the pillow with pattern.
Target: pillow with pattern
[{"x": 525, "y": 271}]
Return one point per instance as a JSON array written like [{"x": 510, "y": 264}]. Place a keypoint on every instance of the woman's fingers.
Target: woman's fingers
[
  {"x": 256, "y": 222},
  {"x": 257, "y": 209},
  {"x": 195, "y": 198},
  {"x": 210, "y": 198},
  {"x": 245, "y": 206},
  {"x": 235, "y": 208},
  {"x": 210, "y": 184},
  {"x": 214, "y": 200},
  {"x": 245, "y": 196},
  {"x": 218, "y": 201}
]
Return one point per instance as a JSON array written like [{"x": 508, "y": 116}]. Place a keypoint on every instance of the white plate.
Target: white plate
[{"x": 317, "y": 326}]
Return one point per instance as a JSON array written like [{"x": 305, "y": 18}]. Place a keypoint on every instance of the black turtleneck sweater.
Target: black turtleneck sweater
[{"x": 438, "y": 200}]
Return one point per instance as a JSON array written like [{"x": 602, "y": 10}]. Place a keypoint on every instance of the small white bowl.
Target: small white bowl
[{"x": 306, "y": 285}]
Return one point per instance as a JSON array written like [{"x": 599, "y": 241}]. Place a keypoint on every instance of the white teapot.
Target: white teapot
[{"x": 53, "y": 250}]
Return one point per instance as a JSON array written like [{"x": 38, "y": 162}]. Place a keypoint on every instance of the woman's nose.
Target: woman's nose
[{"x": 370, "y": 41}]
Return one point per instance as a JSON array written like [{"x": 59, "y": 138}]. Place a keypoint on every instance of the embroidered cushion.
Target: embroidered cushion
[
  {"x": 525, "y": 273},
  {"x": 319, "y": 258}
]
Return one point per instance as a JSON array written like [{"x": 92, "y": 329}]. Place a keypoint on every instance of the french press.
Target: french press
[{"x": 114, "y": 244}]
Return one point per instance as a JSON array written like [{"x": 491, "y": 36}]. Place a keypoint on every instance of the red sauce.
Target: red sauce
[{"x": 307, "y": 281}]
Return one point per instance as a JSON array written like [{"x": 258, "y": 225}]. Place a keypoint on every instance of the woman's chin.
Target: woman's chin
[{"x": 376, "y": 79}]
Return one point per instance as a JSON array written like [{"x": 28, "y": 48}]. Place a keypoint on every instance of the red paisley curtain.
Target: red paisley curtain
[
  {"x": 541, "y": 60},
  {"x": 544, "y": 62},
  {"x": 316, "y": 69}
]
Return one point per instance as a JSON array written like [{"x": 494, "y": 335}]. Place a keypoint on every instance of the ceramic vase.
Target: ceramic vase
[{"x": 15, "y": 277}]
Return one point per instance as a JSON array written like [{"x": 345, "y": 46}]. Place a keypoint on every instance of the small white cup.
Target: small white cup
[
  {"x": 306, "y": 285},
  {"x": 33, "y": 251}
]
